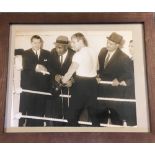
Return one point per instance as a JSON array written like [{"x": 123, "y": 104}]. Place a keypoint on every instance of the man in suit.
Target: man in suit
[
  {"x": 130, "y": 110},
  {"x": 131, "y": 89},
  {"x": 114, "y": 65},
  {"x": 60, "y": 60},
  {"x": 34, "y": 77}
]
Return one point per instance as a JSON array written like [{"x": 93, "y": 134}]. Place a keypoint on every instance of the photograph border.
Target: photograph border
[{"x": 147, "y": 19}]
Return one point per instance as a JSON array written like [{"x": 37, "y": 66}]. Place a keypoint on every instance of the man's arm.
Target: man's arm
[
  {"x": 126, "y": 76},
  {"x": 72, "y": 69}
]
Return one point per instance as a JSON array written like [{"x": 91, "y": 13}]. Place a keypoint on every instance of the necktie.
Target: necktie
[
  {"x": 61, "y": 60},
  {"x": 37, "y": 54},
  {"x": 106, "y": 60}
]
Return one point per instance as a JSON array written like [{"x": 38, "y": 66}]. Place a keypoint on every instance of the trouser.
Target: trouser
[
  {"x": 84, "y": 95},
  {"x": 58, "y": 108},
  {"x": 129, "y": 113},
  {"x": 32, "y": 105},
  {"x": 111, "y": 110},
  {"x": 116, "y": 111},
  {"x": 25, "y": 106}
]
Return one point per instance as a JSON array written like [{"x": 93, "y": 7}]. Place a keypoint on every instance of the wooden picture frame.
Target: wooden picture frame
[{"x": 147, "y": 19}]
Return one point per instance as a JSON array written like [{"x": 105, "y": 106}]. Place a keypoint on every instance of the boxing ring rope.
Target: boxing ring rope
[
  {"x": 20, "y": 90},
  {"x": 19, "y": 115}
]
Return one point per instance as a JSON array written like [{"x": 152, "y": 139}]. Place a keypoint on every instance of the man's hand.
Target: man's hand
[
  {"x": 72, "y": 80},
  {"x": 68, "y": 84},
  {"x": 115, "y": 83},
  {"x": 98, "y": 79},
  {"x": 58, "y": 78},
  {"x": 123, "y": 83},
  {"x": 40, "y": 68}
]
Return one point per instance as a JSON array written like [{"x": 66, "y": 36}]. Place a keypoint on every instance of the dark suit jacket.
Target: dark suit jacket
[
  {"x": 55, "y": 108},
  {"x": 118, "y": 67},
  {"x": 30, "y": 79},
  {"x": 130, "y": 93},
  {"x": 19, "y": 51},
  {"x": 56, "y": 67}
]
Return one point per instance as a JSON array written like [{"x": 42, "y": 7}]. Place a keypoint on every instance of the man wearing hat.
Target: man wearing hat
[
  {"x": 114, "y": 65},
  {"x": 60, "y": 59}
]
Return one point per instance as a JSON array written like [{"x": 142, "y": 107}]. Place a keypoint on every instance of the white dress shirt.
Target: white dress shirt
[
  {"x": 111, "y": 54},
  {"x": 37, "y": 52},
  {"x": 63, "y": 57}
]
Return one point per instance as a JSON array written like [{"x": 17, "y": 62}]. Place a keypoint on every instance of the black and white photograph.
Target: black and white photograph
[{"x": 77, "y": 78}]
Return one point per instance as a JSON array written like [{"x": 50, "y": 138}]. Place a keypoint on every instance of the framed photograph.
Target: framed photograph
[{"x": 70, "y": 75}]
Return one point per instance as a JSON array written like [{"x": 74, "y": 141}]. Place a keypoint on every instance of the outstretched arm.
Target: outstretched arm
[{"x": 72, "y": 69}]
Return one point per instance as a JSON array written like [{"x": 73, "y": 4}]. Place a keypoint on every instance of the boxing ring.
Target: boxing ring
[{"x": 17, "y": 91}]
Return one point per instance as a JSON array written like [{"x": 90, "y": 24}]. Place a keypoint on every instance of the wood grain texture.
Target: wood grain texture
[{"x": 147, "y": 19}]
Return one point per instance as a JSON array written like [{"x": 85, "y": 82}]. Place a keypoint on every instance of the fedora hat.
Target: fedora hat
[
  {"x": 115, "y": 38},
  {"x": 62, "y": 40}
]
